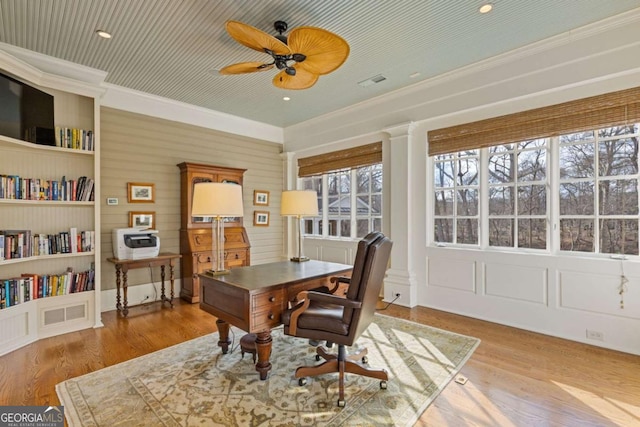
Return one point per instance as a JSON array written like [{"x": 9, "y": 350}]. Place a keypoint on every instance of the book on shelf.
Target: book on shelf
[
  {"x": 24, "y": 244},
  {"x": 74, "y": 138},
  {"x": 28, "y": 286},
  {"x": 15, "y": 187}
]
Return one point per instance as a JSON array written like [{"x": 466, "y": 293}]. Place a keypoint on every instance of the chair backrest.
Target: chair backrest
[{"x": 370, "y": 266}]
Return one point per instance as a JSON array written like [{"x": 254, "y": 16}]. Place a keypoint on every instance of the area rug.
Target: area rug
[{"x": 194, "y": 384}]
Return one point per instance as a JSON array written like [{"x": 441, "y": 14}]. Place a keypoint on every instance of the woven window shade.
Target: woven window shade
[
  {"x": 611, "y": 109},
  {"x": 363, "y": 155}
]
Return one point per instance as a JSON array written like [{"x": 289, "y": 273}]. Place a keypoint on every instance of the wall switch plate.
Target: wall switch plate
[{"x": 112, "y": 201}]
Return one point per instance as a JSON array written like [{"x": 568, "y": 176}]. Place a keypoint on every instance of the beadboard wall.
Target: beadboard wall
[{"x": 139, "y": 148}]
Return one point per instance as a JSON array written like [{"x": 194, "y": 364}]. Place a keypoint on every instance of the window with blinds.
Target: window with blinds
[{"x": 589, "y": 203}]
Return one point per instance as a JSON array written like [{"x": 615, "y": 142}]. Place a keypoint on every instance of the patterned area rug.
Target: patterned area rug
[{"x": 193, "y": 384}]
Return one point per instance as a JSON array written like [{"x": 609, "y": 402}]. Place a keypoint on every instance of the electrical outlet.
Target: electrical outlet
[
  {"x": 397, "y": 295},
  {"x": 595, "y": 335},
  {"x": 146, "y": 297}
]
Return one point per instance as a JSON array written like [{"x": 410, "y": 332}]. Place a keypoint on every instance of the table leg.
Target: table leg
[
  {"x": 125, "y": 286},
  {"x": 223, "y": 331},
  {"x": 171, "y": 278},
  {"x": 263, "y": 347},
  {"x": 162, "y": 297},
  {"x": 118, "y": 305}
]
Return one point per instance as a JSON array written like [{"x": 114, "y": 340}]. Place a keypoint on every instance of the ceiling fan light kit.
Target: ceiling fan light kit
[{"x": 302, "y": 56}]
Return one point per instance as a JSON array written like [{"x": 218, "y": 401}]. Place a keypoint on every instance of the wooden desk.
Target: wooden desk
[
  {"x": 124, "y": 265},
  {"x": 253, "y": 298}
]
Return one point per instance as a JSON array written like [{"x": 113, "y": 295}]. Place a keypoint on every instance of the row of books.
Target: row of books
[
  {"x": 77, "y": 139},
  {"x": 28, "y": 287},
  {"x": 23, "y": 244},
  {"x": 17, "y": 188}
]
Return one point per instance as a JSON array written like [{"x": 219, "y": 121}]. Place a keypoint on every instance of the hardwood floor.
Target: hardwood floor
[{"x": 515, "y": 377}]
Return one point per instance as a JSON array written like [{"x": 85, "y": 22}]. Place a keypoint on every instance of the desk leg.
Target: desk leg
[
  {"x": 118, "y": 305},
  {"x": 223, "y": 331},
  {"x": 263, "y": 347},
  {"x": 125, "y": 287}
]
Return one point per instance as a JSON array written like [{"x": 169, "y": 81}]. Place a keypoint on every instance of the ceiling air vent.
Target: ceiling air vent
[{"x": 372, "y": 80}]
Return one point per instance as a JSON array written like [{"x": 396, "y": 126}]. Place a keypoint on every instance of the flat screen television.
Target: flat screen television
[{"x": 25, "y": 112}]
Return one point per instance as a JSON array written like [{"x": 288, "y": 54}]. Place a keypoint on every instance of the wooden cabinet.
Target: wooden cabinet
[{"x": 196, "y": 233}]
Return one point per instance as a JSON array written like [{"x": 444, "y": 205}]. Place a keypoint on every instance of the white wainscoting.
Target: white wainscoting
[
  {"x": 339, "y": 251},
  {"x": 563, "y": 296}
]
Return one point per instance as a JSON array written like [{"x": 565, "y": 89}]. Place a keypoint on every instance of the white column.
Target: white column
[{"x": 401, "y": 277}]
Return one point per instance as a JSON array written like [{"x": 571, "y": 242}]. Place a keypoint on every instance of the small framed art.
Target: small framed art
[
  {"x": 260, "y": 198},
  {"x": 261, "y": 218},
  {"x": 142, "y": 219},
  {"x": 141, "y": 192}
]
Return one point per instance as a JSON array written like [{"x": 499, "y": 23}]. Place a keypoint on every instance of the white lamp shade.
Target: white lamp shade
[
  {"x": 217, "y": 199},
  {"x": 299, "y": 203}
]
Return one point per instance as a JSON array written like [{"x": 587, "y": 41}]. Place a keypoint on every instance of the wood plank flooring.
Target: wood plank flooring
[{"x": 515, "y": 377}]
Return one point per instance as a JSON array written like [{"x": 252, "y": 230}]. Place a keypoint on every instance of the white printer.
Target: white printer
[{"x": 135, "y": 243}]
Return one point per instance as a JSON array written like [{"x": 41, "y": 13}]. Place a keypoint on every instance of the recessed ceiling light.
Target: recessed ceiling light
[
  {"x": 286, "y": 98},
  {"x": 414, "y": 75},
  {"x": 104, "y": 34},
  {"x": 486, "y": 8}
]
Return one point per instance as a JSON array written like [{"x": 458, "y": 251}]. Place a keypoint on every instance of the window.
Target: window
[
  {"x": 456, "y": 197},
  {"x": 599, "y": 191},
  {"x": 336, "y": 191},
  {"x": 594, "y": 188},
  {"x": 518, "y": 195}
]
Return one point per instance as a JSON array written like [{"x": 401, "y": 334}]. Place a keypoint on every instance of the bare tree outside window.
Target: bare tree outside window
[
  {"x": 599, "y": 186},
  {"x": 518, "y": 194},
  {"x": 456, "y": 197}
]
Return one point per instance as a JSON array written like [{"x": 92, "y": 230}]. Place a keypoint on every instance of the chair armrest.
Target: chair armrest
[
  {"x": 336, "y": 280},
  {"x": 308, "y": 296}
]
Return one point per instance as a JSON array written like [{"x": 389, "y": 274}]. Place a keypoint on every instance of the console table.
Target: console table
[
  {"x": 124, "y": 265},
  {"x": 253, "y": 298}
]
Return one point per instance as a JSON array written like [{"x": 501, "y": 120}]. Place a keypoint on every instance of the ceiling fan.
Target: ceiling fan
[{"x": 302, "y": 56}]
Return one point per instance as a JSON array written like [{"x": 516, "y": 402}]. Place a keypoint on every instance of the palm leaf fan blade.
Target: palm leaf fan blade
[
  {"x": 302, "y": 80},
  {"x": 245, "y": 67},
  {"x": 253, "y": 38},
  {"x": 324, "y": 51}
]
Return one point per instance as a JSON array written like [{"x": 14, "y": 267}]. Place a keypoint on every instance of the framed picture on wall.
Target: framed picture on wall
[
  {"x": 260, "y": 198},
  {"x": 142, "y": 219},
  {"x": 261, "y": 218},
  {"x": 141, "y": 192}
]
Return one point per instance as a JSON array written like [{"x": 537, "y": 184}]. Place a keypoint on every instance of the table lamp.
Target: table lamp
[
  {"x": 299, "y": 203},
  {"x": 217, "y": 200}
]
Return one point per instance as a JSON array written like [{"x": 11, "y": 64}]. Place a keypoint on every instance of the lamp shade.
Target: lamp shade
[
  {"x": 299, "y": 203},
  {"x": 217, "y": 199}
]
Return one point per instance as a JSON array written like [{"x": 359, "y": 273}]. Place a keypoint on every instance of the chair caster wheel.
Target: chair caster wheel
[
  {"x": 383, "y": 385},
  {"x": 365, "y": 359},
  {"x": 317, "y": 357},
  {"x": 341, "y": 403},
  {"x": 302, "y": 381}
]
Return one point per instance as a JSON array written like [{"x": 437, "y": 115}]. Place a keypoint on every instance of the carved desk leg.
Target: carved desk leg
[
  {"x": 263, "y": 347},
  {"x": 118, "y": 305},
  {"x": 223, "y": 330}
]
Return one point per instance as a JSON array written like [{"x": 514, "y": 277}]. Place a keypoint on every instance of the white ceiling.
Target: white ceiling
[{"x": 171, "y": 48}]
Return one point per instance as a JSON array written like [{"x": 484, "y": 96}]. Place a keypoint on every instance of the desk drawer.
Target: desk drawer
[
  {"x": 267, "y": 319},
  {"x": 267, "y": 300}
]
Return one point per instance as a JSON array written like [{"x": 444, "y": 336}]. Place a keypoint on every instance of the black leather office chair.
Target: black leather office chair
[{"x": 341, "y": 320}]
